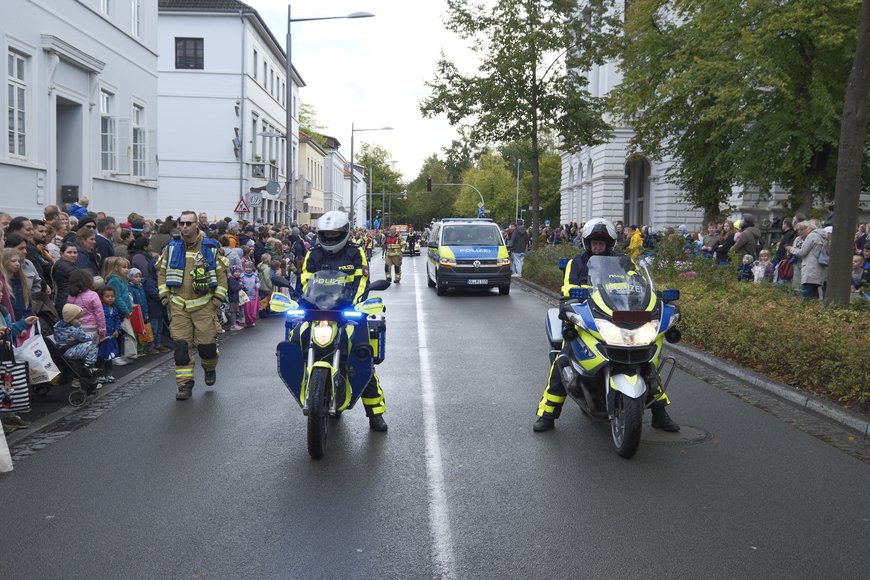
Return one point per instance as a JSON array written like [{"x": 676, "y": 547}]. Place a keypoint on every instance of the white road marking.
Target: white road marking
[{"x": 439, "y": 517}]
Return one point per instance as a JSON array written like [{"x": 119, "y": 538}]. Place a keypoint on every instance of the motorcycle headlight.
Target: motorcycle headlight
[
  {"x": 618, "y": 336},
  {"x": 322, "y": 333}
]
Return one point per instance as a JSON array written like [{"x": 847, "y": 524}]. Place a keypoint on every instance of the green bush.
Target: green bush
[
  {"x": 817, "y": 348},
  {"x": 542, "y": 265}
]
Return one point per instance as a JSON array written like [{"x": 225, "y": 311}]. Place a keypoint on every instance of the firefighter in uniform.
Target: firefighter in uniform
[
  {"x": 599, "y": 237},
  {"x": 394, "y": 247},
  {"x": 335, "y": 251},
  {"x": 192, "y": 281}
]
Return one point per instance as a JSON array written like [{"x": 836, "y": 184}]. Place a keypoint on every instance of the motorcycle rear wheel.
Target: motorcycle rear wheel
[
  {"x": 318, "y": 411},
  {"x": 626, "y": 425}
]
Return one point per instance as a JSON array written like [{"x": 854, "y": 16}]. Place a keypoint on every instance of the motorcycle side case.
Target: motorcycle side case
[{"x": 290, "y": 367}]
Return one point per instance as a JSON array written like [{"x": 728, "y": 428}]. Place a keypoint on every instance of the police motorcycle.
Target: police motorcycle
[
  {"x": 614, "y": 328},
  {"x": 327, "y": 375}
]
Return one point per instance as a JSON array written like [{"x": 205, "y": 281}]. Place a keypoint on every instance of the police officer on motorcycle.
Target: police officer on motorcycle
[
  {"x": 599, "y": 237},
  {"x": 336, "y": 251}
]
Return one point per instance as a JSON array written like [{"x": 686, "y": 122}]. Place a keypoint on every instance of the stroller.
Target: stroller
[{"x": 43, "y": 308}]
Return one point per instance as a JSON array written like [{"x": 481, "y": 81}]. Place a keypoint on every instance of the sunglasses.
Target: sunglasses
[{"x": 183, "y": 224}]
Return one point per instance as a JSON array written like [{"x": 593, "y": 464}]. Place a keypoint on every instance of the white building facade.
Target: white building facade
[
  {"x": 223, "y": 92},
  {"x": 79, "y": 105},
  {"x": 334, "y": 165}
]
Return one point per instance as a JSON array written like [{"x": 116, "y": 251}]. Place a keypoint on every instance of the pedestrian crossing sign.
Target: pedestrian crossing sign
[{"x": 242, "y": 207}]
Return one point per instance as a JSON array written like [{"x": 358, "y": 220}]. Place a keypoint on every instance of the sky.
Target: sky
[{"x": 370, "y": 72}]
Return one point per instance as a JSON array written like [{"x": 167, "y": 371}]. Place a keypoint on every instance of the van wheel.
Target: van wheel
[
  {"x": 504, "y": 290},
  {"x": 440, "y": 289},
  {"x": 429, "y": 281}
]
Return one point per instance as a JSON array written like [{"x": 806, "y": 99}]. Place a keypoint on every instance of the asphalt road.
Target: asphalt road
[{"x": 221, "y": 486}]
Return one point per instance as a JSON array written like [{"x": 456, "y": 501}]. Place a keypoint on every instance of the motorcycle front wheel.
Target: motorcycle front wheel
[
  {"x": 318, "y": 411},
  {"x": 626, "y": 425}
]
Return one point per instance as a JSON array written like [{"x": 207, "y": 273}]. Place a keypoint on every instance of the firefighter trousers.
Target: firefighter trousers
[
  {"x": 396, "y": 263},
  {"x": 189, "y": 329}
]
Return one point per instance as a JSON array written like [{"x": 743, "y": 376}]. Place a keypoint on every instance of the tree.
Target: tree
[
  {"x": 528, "y": 80},
  {"x": 422, "y": 206},
  {"x": 461, "y": 154},
  {"x": 738, "y": 92},
  {"x": 309, "y": 125},
  {"x": 381, "y": 176},
  {"x": 852, "y": 149},
  {"x": 495, "y": 182}
]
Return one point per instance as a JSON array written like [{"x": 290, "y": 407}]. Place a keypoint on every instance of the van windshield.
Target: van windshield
[{"x": 471, "y": 235}]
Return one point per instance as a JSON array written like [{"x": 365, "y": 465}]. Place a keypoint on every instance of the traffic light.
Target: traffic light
[{"x": 428, "y": 184}]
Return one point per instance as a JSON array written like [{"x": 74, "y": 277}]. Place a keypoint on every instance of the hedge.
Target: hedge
[{"x": 809, "y": 345}]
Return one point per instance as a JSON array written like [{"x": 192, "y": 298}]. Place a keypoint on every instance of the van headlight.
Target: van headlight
[
  {"x": 322, "y": 333},
  {"x": 447, "y": 261},
  {"x": 618, "y": 336},
  {"x": 504, "y": 262}
]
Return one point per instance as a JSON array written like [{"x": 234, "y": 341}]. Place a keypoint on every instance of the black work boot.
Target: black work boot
[
  {"x": 543, "y": 424},
  {"x": 185, "y": 391},
  {"x": 661, "y": 419},
  {"x": 210, "y": 377},
  {"x": 377, "y": 423}
]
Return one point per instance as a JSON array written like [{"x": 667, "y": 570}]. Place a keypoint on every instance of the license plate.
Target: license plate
[{"x": 478, "y": 281}]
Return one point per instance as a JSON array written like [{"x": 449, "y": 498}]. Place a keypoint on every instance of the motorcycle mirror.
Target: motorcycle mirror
[
  {"x": 379, "y": 285},
  {"x": 673, "y": 336}
]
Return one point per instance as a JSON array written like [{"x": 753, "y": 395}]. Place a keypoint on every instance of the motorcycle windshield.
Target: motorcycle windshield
[
  {"x": 621, "y": 283},
  {"x": 329, "y": 290}
]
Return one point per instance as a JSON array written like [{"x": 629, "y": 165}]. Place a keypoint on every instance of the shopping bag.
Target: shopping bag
[
  {"x": 147, "y": 335},
  {"x": 5, "y": 456},
  {"x": 14, "y": 381},
  {"x": 785, "y": 269},
  {"x": 243, "y": 298},
  {"x": 129, "y": 338},
  {"x": 136, "y": 320},
  {"x": 35, "y": 352}
]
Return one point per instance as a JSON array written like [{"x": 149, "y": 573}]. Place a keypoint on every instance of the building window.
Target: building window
[
  {"x": 254, "y": 125},
  {"x": 17, "y": 104},
  {"x": 105, "y": 5},
  {"x": 107, "y": 132},
  {"x": 139, "y": 141},
  {"x": 256, "y": 62},
  {"x": 272, "y": 82},
  {"x": 265, "y": 72},
  {"x": 136, "y": 14},
  {"x": 189, "y": 53}
]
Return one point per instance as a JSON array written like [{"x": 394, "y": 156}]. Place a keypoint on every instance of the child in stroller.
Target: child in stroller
[{"x": 78, "y": 348}]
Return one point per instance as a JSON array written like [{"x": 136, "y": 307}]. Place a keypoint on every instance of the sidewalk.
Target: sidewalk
[{"x": 848, "y": 419}]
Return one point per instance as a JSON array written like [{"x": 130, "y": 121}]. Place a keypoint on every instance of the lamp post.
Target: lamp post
[
  {"x": 352, "y": 131},
  {"x": 288, "y": 98}
]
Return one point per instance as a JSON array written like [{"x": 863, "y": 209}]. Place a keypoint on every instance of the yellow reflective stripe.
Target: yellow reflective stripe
[
  {"x": 554, "y": 398},
  {"x": 220, "y": 292},
  {"x": 163, "y": 289},
  {"x": 184, "y": 371},
  {"x": 547, "y": 408},
  {"x": 371, "y": 401},
  {"x": 566, "y": 286},
  {"x": 652, "y": 303}
]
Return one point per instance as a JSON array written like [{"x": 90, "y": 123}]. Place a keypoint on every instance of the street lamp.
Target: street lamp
[
  {"x": 352, "y": 131},
  {"x": 288, "y": 99}
]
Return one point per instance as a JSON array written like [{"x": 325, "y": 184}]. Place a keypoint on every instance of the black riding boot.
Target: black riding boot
[{"x": 661, "y": 419}]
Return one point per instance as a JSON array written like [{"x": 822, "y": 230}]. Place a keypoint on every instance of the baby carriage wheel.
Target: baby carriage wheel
[{"x": 77, "y": 397}]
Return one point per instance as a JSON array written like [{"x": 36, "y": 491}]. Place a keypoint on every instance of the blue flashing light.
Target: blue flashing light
[
  {"x": 563, "y": 263},
  {"x": 295, "y": 313},
  {"x": 581, "y": 294},
  {"x": 353, "y": 314},
  {"x": 670, "y": 295}
]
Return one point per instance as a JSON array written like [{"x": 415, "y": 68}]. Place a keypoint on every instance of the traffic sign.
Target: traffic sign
[
  {"x": 480, "y": 205},
  {"x": 255, "y": 199},
  {"x": 242, "y": 207},
  {"x": 480, "y": 212}
]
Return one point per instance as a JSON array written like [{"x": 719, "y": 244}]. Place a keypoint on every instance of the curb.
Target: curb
[
  {"x": 37, "y": 427},
  {"x": 783, "y": 391}
]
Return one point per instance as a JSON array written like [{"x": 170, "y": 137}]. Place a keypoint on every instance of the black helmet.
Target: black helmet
[{"x": 599, "y": 229}]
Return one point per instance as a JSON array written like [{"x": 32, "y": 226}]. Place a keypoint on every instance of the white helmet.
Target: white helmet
[
  {"x": 599, "y": 229},
  {"x": 333, "y": 231}
]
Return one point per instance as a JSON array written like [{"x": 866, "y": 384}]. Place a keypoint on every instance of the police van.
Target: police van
[{"x": 467, "y": 253}]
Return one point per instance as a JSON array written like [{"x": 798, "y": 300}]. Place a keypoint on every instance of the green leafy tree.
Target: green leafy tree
[
  {"x": 528, "y": 79},
  {"x": 738, "y": 92},
  {"x": 423, "y": 206},
  {"x": 381, "y": 176},
  {"x": 496, "y": 184},
  {"x": 309, "y": 125},
  {"x": 461, "y": 154}
]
